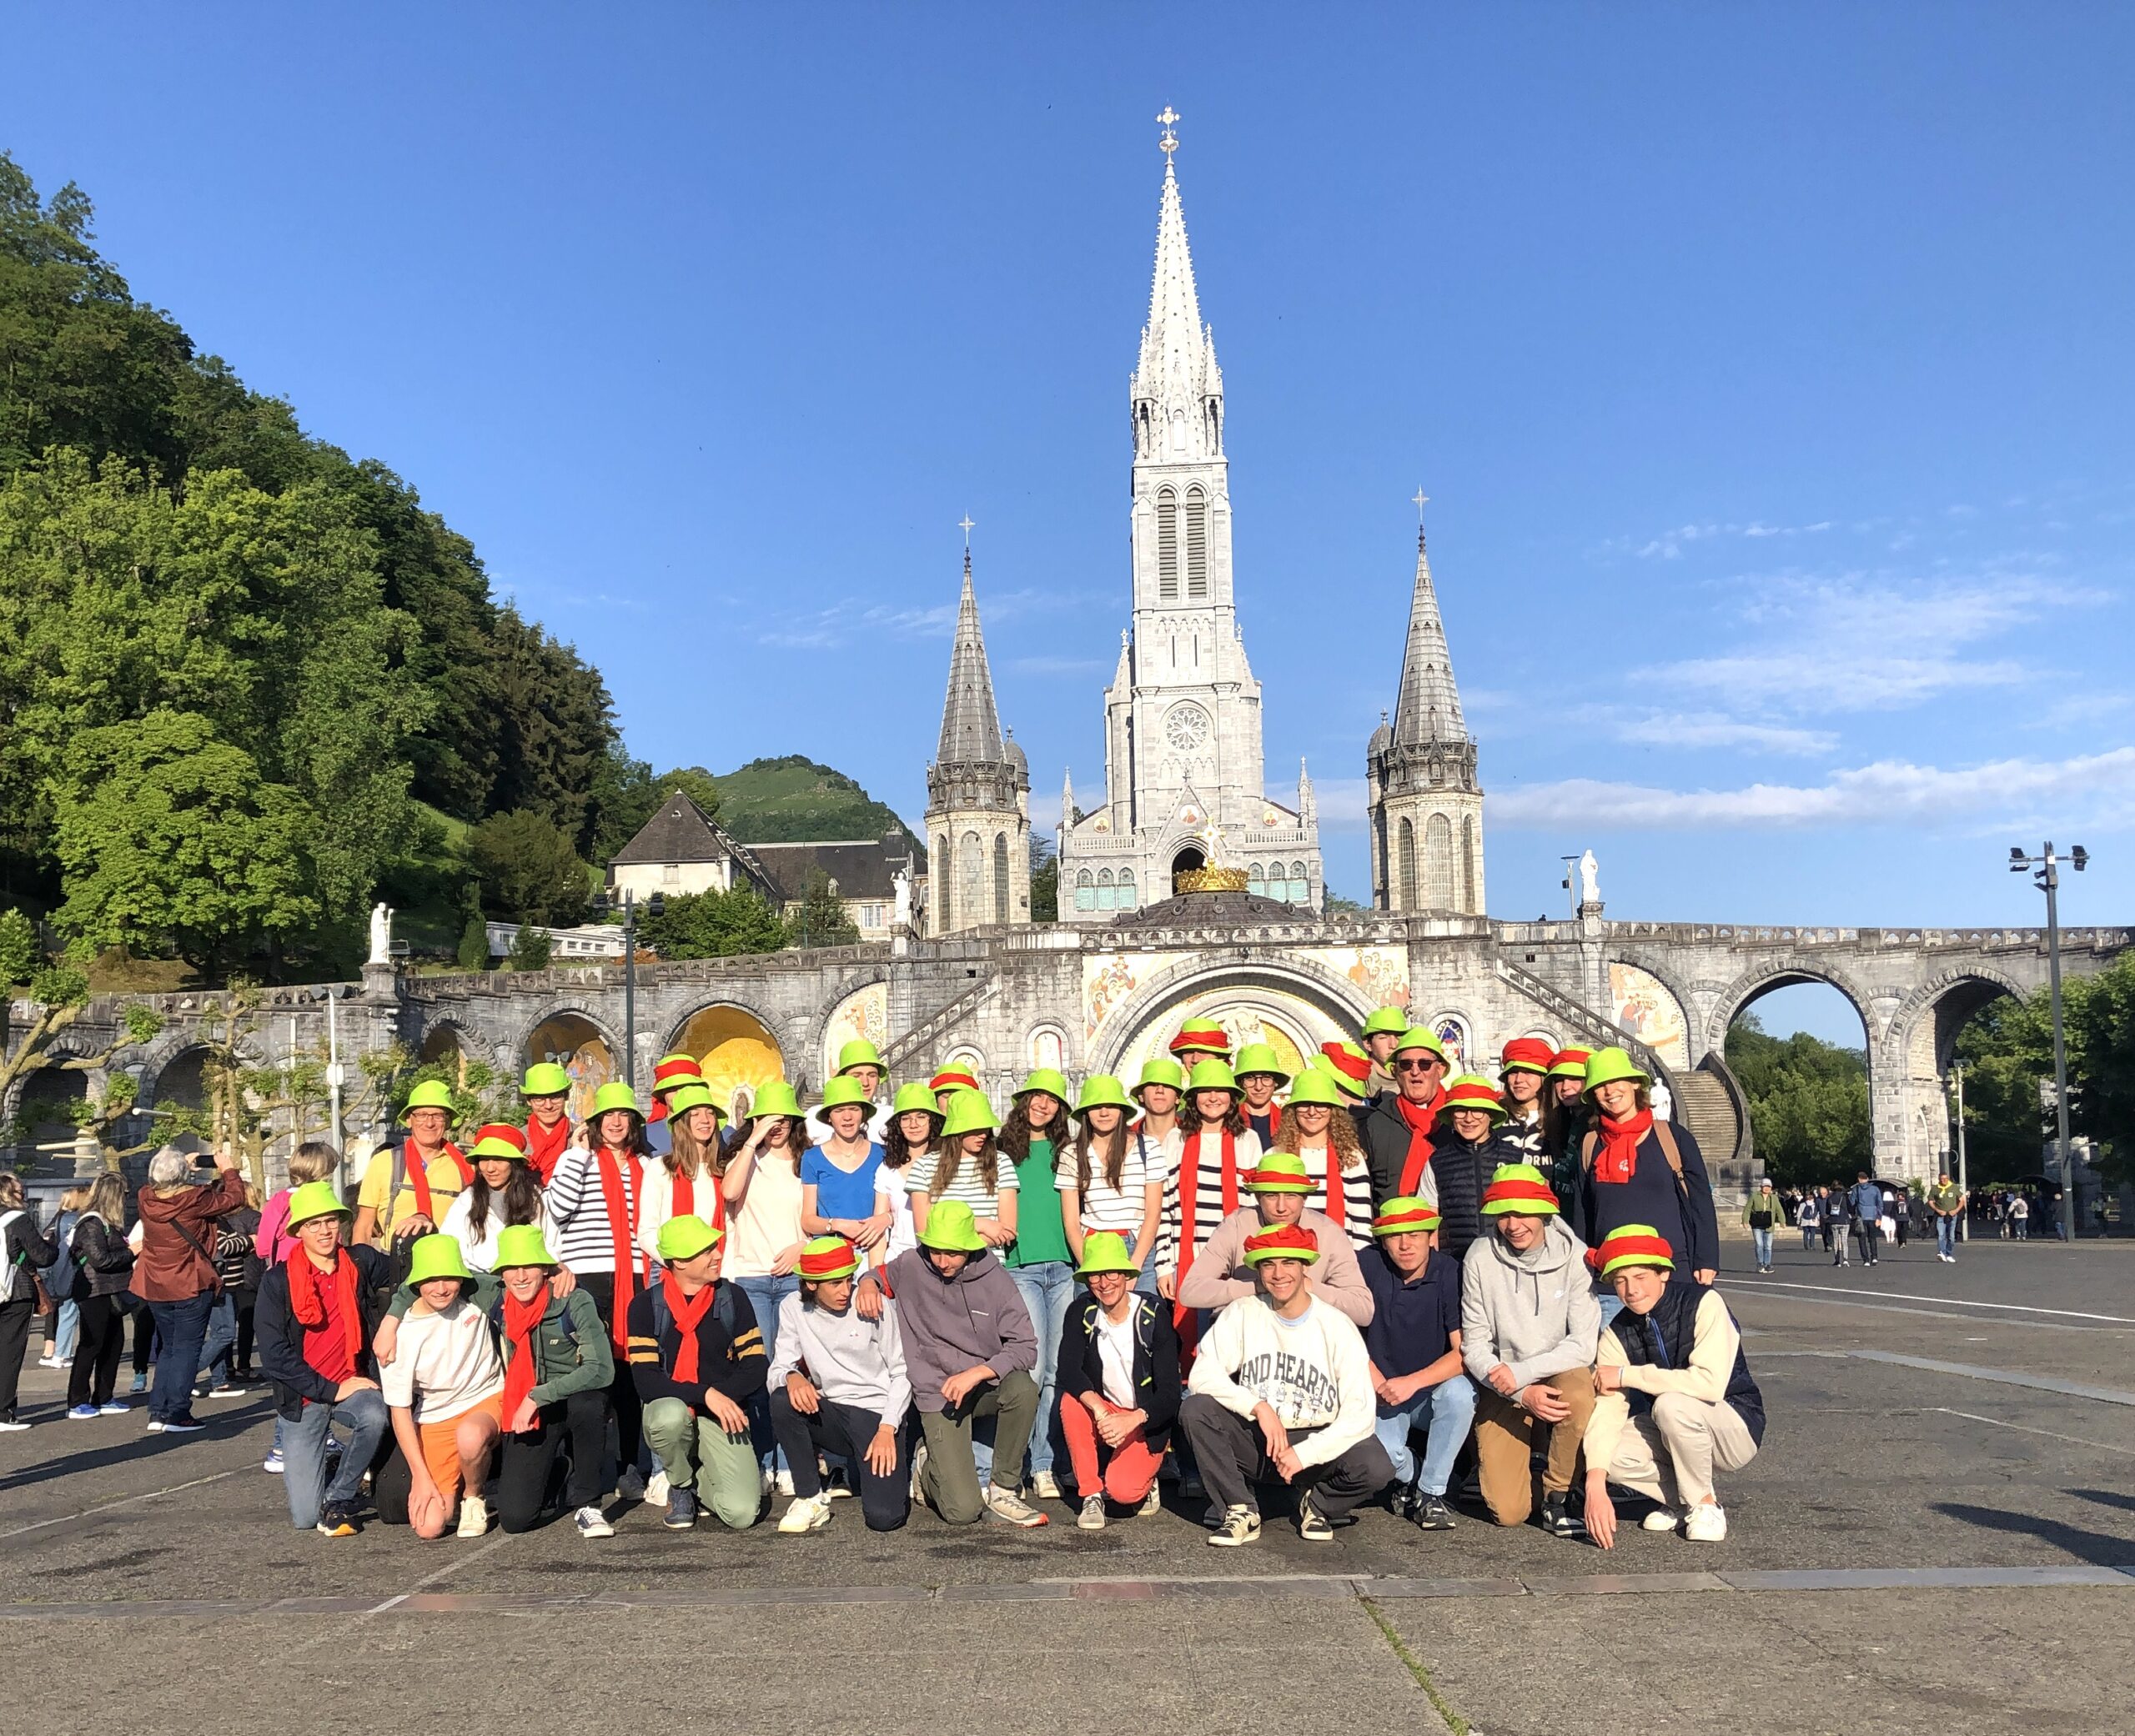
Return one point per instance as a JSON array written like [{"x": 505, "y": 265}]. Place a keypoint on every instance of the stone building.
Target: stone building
[{"x": 979, "y": 797}]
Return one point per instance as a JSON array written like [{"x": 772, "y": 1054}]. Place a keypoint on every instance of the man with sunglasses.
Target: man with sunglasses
[{"x": 1397, "y": 1127}]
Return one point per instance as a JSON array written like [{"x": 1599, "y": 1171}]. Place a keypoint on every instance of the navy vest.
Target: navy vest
[{"x": 1677, "y": 1314}]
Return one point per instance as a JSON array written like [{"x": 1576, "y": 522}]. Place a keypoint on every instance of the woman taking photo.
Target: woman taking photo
[
  {"x": 1318, "y": 1128},
  {"x": 504, "y": 1192},
  {"x": 1039, "y": 1259},
  {"x": 915, "y": 1132},
  {"x": 762, "y": 1189},
  {"x": 969, "y": 1167},
  {"x": 175, "y": 1275},
  {"x": 104, "y": 1263}
]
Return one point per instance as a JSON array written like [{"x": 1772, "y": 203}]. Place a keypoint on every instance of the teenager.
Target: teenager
[
  {"x": 503, "y": 1192},
  {"x": 1763, "y": 1213},
  {"x": 1034, "y": 1138},
  {"x": 672, "y": 1074},
  {"x": 1867, "y": 1204},
  {"x": 1318, "y": 1132},
  {"x": 1529, "y": 1323},
  {"x": 62, "y": 1318},
  {"x": 914, "y": 1132},
  {"x": 1567, "y": 1114},
  {"x": 1157, "y": 1092},
  {"x": 1676, "y": 1344},
  {"x": 1111, "y": 1178},
  {"x": 1381, "y": 1031},
  {"x": 546, "y": 1088},
  {"x": 1523, "y": 1071},
  {"x": 1200, "y": 1040},
  {"x": 1809, "y": 1218},
  {"x": 761, "y": 1189},
  {"x": 969, "y": 1167},
  {"x": 1260, "y": 1076},
  {"x": 684, "y": 1179},
  {"x": 27, "y": 1251},
  {"x": 1636, "y": 1169},
  {"x": 837, "y": 1176},
  {"x": 1398, "y": 1131},
  {"x": 1413, "y": 1341},
  {"x": 594, "y": 1202},
  {"x": 557, "y": 1370},
  {"x": 443, "y": 1390},
  {"x": 315, "y": 1317},
  {"x": 1217, "y": 1150},
  {"x": 103, "y": 1266},
  {"x": 1281, "y": 1390},
  {"x": 860, "y": 1067},
  {"x": 838, "y": 1386},
  {"x": 1118, "y": 1355},
  {"x": 970, "y": 1347},
  {"x": 696, "y": 1356},
  {"x": 174, "y": 1273},
  {"x": 409, "y": 1182},
  {"x": 949, "y": 1080},
  {"x": 1220, "y": 1274},
  {"x": 1467, "y": 1150}
]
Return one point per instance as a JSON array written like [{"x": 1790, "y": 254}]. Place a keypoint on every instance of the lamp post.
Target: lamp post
[
  {"x": 329, "y": 995},
  {"x": 1964, "y": 1175},
  {"x": 2048, "y": 879},
  {"x": 655, "y": 907},
  {"x": 1571, "y": 866}
]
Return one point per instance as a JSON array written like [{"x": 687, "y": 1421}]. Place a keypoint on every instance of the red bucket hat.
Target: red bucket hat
[
  {"x": 1199, "y": 1036},
  {"x": 1528, "y": 1054}
]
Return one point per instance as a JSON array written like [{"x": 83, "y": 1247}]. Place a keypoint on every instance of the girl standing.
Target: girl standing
[
  {"x": 686, "y": 1179},
  {"x": 1217, "y": 1145},
  {"x": 102, "y": 1262},
  {"x": 762, "y": 1188},
  {"x": 1318, "y": 1127},
  {"x": 969, "y": 1167},
  {"x": 504, "y": 1192},
  {"x": 1524, "y": 1068},
  {"x": 1038, "y": 1260},
  {"x": 915, "y": 1132}
]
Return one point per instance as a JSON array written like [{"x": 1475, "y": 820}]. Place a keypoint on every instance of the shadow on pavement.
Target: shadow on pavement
[
  {"x": 136, "y": 1448},
  {"x": 2096, "y": 1548},
  {"x": 2106, "y": 1497}
]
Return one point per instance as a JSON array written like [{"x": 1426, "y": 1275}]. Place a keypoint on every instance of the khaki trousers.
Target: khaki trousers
[
  {"x": 1504, "y": 1440},
  {"x": 1669, "y": 1454}
]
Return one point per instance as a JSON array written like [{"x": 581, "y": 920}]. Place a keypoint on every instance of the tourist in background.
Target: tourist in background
[
  {"x": 1118, "y": 1354},
  {"x": 102, "y": 1262},
  {"x": 1947, "y": 1201},
  {"x": 27, "y": 1251},
  {"x": 1523, "y": 1071},
  {"x": 1036, "y": 1138},
  {"x": 1808, "y": 1218},
  {"x": 62, "y": 1318},
  {"x": 762, "y": 1254},
  {"x": 1867, "y": 1204},
  {"x": 229, "y": 1345},
  {"x": 1762, "y": 1214},
  {"x": 1636, "y": 1168},
  {"x": 275, "y": 1240},
  {"x": 175, "y": 1272}
]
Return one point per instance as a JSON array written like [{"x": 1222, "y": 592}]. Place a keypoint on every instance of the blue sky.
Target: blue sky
[{"x": 1768, "y": 367}]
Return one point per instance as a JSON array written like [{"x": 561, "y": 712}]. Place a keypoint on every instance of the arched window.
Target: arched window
[
  {"x": 1001, "y": 877},
  {"x": 1255, "y": 881},
  {"x": 1300, "y": 887},
  {"x": 1405, "y": 897},
  {"x": 944, "y": 866},
  {"x": 1197, "y": 543},
  {"x": 1105, "y": 893},
  {"x": 1469, "y": 902},
  {"x": 1167, "y": 546},
  {"x": 1086, "y": 890},
  {"x": 1437, "y": 863},
  {"x": 1127, "y": 899},
  {"x": 971, "y": 896}
]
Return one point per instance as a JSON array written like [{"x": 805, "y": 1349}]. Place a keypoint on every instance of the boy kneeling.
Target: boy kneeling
[{"x": 445, "y": 1392}]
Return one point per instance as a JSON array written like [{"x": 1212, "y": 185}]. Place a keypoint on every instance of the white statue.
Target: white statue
[
  {"x": 381, "y": 934},
  {"x": 901, "y": 915},
  {"x": 1589, "y": 878}
]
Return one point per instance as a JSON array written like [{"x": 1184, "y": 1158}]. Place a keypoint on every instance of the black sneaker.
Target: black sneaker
[
  {"x": 1313, "y": 1525},
  {"x": 337, "y": 1519},
  {"x": 681, "y": 1510},
  {"x": 1559, "y": 1521},
  {"x": 1430, "y": 1513}
]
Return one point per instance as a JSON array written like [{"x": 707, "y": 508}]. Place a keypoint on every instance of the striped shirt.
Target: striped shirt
[
  {"x": 1356, "y": 1212},
  {"x": 578, "y": 1211},
  {"x": 1208, "y": 1189},
  {"x": 969, "y": 1184},
  {"x": 1106, "y": 1208}
]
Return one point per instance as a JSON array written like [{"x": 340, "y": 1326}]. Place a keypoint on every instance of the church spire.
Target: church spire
[
  {"x": 1178, "y": 389},
  {"x": 970, "y": 723},
  {"x": 1426, "y": 710}
]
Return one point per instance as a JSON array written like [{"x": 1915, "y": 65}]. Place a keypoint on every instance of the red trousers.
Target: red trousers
[{"x": 1131, "y": 1470}]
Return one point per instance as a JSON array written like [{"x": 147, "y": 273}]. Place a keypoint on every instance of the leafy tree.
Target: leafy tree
[
  {"x": 60, "y": 997},
  {"x": 625, "y": 794},
  {"x": 819, "y": 920},
  {"x": 531, "y": 949},
  {"x": 713, "y": 925},
  {"x": 21, "y": 957},
  {"x": 473, "y": 953},
  {"x": 1808, "y": 1103},
  {"x": 556, "y": 721},
  {"x": 528, "y": 868}
]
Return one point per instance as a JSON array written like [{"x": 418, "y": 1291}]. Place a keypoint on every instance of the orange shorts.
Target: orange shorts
[{"x": 441, "y": 1443}]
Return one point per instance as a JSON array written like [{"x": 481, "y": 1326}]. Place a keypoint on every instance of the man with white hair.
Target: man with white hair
[{"x": 175, "y": 1274}]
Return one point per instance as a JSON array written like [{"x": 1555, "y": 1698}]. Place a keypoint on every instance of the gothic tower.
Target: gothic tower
[
  {"x": 1423, "y": 806},
  {"x": 978, "y": 798}
]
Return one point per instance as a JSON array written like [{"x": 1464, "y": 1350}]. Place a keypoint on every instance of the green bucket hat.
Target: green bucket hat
[
  {"x": 1101, "y": 1091},
  {"x": 1160, "y": 1070},
  {"x": 916, "y": 1098},
  {"x": 969, "y": 1112},
  {"x": 1105, "y": 1251},
  {"x": 1386, "y": 1020},
  {"x": 858, "y": 1053},
  {"x": 430, "y": 1094},
  {"x": 1046, "y": 1080},
  {"x": 951, "y": 1229},
  {"x": 1259, "y": 1058},
  {"x": 684, "y": 1098},
  {"x": 616, "y": 1095},
  {"x": 545, "y": 1079},
  {"x": 1214, "y": 1074},
  {"x": 774, "y": 1096},
  {"x": 1278, "y": 1172},
  {"x": 1314, "y": 1084},
  {"x": 840, "y": 1091},
  {"x": 435, "y": 1256},
  {"x": 314, "y": 1199},
  {"x": 1606, "y": 1065},
  {"x": 521, "y": 1245},
  {"x": 687, "y": 1236},
  {"x": 1416, "y": 1037}
]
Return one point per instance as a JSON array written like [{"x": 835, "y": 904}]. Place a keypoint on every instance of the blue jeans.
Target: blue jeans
[
  {"x": 180, "y": 1326},
  {"x": 764, "y": 1295},
  {"x": 304, "y": 1452},
  {"x": 221, "y": 1336},
  {"x": 1448, "y": 1412},
  {"x": 1946, "y": 1236},
  {"x": 1610, "y": 1306},
  {"x": 66, "y": 1329},
  {"x": 1762, "y": 1238},
  {"x": 1047, "y": 1288}
]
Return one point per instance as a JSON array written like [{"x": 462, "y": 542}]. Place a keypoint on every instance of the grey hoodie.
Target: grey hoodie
[
  {"x": 951, "y": 1325},
  {"x": 1536, "y": 1314}
]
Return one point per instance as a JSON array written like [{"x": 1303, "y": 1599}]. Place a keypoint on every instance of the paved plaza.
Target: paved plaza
[{"x": 1939, "y": 1535}]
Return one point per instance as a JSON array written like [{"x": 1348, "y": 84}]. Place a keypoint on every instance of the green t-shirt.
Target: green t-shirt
[
  {"x": 1944, "y": 1199},
  {"x": 1039, "y": 1234}
]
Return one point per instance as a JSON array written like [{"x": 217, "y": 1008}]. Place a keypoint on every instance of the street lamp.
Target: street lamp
[
  {"x": 329, "y": 993},
  {"x": 2047, "y": 879},
  {"x": 655, "y": 907}
]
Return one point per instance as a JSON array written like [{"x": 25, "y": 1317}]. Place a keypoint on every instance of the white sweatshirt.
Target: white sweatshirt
[{"x": 1313, "y": 1370}]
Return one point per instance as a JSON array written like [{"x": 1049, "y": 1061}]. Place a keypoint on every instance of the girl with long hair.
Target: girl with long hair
[
  {"x": 1523, "y": 1071},
  {"x": 1217, "y": 1145},
  {"x": 505, "y": 1192},
  {"x": 103, "y": 1261},
  {"x": 1031, "y": 1139},
  {"x": 969, "y": 1167},
  {"x": 762, "y": 1184},
  {"x": 685, "y": 1179},
  {"x": 1323, "y": 1137},
  {"x": 914, "y": 1132}
]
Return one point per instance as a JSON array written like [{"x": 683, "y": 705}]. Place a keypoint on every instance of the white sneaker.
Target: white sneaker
[
  {"x": 809, "y": 1512},
  {"x": 782, "y": 1483},
  {"x": 592, "y": 1523},
  {"x": 1707, "y": 1524},
  {"x": 1661, "y": 1518},
  {"x": 656, "y": 1489},
  {"x": 919, "y": 1470},
  {"x": 474, "y": 1517},
  {"x": 1045, "y": 1486}
]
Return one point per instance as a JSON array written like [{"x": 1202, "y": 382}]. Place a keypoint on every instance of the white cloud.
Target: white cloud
[
  {"x": 1710, "y": 729},
  {"x": 2090, "y": 789},
  {"x": 1668, "y": 544}
]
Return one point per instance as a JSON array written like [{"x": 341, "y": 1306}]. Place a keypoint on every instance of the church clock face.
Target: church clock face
[{"x": 1186, "y": 727}]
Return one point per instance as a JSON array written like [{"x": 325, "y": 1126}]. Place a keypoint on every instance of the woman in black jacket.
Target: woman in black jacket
[
  {"x": 103, "y": 1262},
  {"x": 1119, "y": 1382},
  {"x": 26, "y": 1252}
]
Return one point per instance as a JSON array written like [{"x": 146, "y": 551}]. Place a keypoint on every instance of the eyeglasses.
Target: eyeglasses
[{"x": 1417, "y": 1066}]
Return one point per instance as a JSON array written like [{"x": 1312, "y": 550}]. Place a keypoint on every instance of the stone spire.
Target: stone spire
[
  {"x": 1177, "y": 390},
  {"x": 1426, "y": 710},
  {"x": 1067, "y": 799},
  {"x": 1308, "y": 803},
  {"x": 978, "y": 822},
  {"x": 971, "y": 725}
]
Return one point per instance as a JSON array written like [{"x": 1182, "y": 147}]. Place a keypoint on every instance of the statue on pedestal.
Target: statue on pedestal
[{"x": 381, "y": 934}]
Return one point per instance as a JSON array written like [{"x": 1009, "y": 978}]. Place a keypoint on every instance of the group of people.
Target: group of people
[
  {"x": 1864, "y": 1215},
  {"x": 1353, "y": 1276}
]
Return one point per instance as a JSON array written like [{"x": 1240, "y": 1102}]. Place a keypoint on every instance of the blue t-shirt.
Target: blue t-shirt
[
  {"x": 1412, "y": 1323},
  {"x": 838, "y": 1193}
]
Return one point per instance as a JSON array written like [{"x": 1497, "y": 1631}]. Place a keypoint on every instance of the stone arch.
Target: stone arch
[
  {"x": 735, "y": 1044},
  {"x": 1760, "y": 980},
  {"x": 1047, "y": 1044},
  {"x": 34, "y": 1099},
  {"x": 811, "y": 1031},
  {"x": 443, "y": 1038},
  {"x": 1335, "y": 997},
  {"x": 1926, "y": 1025},
  {"x": 579, "y": 1042}
]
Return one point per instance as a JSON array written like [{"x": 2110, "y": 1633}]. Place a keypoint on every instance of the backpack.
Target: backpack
[{"x": 1665, "y": 1132}]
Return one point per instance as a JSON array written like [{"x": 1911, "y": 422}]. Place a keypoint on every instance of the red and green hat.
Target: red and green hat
[
  {"x": 1409, "y": 1212},
  {"x": 1283, "y": 1241},
  {"x": 1635, "y": 1244},
  {"x": 1519, "y": 1187},
  {"x": 953, "y": 1079},
  {"x": 1202, "y": 1036},
  {"x": 1527, "y": 1055},
  {"x": 1278, "y": 1172},
  {"x": 1347, "y": 1065},
  {"x": 826, "y": 1257},
  {"x": 508, "y": 1133},
  {"x": 670, "y": 1072},
  {"x": 1473, "y": 1091},
  {"x": 1569, "y": 1063}
]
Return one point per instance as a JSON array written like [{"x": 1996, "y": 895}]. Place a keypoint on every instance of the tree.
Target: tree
[
  {"x": 625, "y": 794},
  {"x": 473, "y": 950},
  {"x": 1808, "y": 1103},
  {"x": 713, "y": 925},
  {"x": 59, "y": 996},
  {"x": 820, "y": 919},
  {"x": 21, "y": 957},
  {"x": 1045, "y": 880},
  {"x": 531, "y": 949},
  {"x": 556, "y": 722},
  {"x": 528, "y": 869}
]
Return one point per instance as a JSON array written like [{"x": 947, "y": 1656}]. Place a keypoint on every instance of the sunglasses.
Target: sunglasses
[{"x": 1417, "y": 1066}]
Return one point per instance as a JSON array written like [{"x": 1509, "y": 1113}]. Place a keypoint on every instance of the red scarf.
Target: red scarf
[
  {"x": 688, "y": 1312},
  {"x": 621, "y": 1201},
  {"x": 1419, "y": 1118},
  {"x": 324, "y": 1304},
  {"x": 1188, "y": 1320},
  {"x": 1617, "y": 1161},
  {"x": 685, "y": 1198},
  {"x": 519, "y": 1320},
  {"x": 419, "y": 1175},
  {"x": 545, "y": 1146},
  {"x": 1337, "y": 1205}
]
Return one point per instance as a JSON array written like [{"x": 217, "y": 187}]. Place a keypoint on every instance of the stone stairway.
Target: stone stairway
[{"x": 1705, "y": 1104}]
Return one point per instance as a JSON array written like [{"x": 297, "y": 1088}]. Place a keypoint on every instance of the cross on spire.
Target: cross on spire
[
  {"x": 964, "y": 524},
  {"x": 1421, "y": 500},
  {"x": 1169, "y": 142}
]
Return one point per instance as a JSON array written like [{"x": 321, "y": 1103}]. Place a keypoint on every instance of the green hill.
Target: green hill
[{"x": 793, "y": 800}]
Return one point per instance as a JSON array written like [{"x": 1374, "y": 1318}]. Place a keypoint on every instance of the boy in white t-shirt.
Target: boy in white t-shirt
[{"x": 443, "y": 1390}]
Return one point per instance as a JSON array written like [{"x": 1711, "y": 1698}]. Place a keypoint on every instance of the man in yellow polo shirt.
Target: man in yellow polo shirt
[{"x": 409, "y": 1182}]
